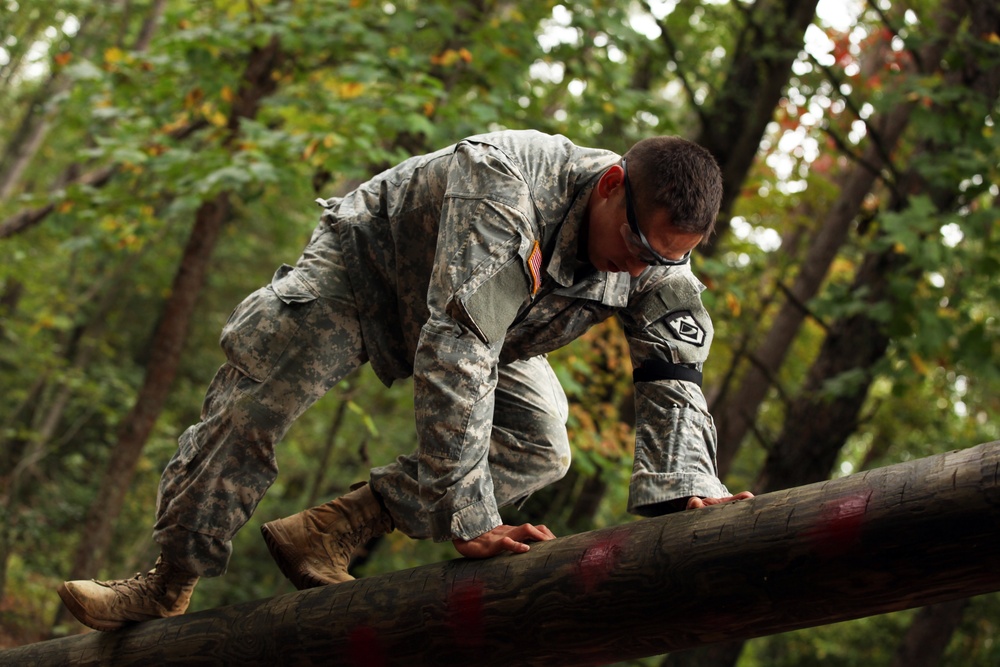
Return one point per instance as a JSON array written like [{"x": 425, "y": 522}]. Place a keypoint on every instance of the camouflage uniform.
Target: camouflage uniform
[{"x": 459, "y": 268}]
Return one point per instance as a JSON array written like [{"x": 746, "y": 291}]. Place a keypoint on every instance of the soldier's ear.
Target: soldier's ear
[{"x": 612, "y": 179}]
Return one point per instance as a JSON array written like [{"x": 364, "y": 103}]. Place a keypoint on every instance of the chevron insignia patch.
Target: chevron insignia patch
[{"x": 685, "y": 328}]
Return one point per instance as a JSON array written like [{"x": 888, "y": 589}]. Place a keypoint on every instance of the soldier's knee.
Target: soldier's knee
[{"x": 558, "y": 456}]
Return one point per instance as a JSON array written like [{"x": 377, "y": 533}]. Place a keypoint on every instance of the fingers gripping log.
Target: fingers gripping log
[{"x": 906, "y": 535}]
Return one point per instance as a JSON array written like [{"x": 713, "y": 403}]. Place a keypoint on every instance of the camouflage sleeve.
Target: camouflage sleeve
[
  {"x": 479, "y": 282},
  {"x": 669, "y": 334}
]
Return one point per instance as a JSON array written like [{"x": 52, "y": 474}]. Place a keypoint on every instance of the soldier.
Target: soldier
[{"x": 462, "y": 268}]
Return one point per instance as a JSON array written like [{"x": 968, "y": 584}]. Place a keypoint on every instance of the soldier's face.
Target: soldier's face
[{"x": 611, "y": 245}]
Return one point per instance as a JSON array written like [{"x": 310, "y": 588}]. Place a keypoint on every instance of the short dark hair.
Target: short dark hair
[{"x": 679, "y": 176}]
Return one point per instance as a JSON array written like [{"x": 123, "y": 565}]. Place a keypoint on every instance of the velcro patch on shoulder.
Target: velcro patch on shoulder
[
  {"x": 685, "y": 327},
  {"x": 493, "y": 306}
]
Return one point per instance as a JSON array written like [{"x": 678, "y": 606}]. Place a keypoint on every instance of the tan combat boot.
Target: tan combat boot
[
  {"x": 313, "y": 548},
  {"x": 111, "y": 605}
]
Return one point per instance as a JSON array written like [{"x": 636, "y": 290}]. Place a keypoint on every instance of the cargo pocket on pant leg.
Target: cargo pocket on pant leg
[{"x": 260, "y": 329}]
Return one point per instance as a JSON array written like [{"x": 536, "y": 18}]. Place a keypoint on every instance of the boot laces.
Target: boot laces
[
  {"x": 358, "y": 536},
  {"x": 140, "y": 585}
]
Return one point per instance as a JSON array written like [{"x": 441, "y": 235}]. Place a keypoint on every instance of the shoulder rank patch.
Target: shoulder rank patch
[
  {"x": 535, "y": 266},
  {"x": 686, "y": 328}
]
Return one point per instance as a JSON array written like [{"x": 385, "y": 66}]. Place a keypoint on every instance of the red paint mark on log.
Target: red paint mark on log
[
  {"x": 839, "y": 527},
  {"x": 364, "y": 647},
  {"x": 465, "y": 614},
  {"x": 598, "y": 562}
]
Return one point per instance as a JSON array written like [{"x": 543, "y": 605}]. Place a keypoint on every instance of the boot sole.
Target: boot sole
[
  {"x": 300, "y": 580},
  {"x": 80, "y": 613}
]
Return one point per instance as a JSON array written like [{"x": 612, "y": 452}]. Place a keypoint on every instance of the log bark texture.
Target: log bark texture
[{"x": 907, "y": 535}]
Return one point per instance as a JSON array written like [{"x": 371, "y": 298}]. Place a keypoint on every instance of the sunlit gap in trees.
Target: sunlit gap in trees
[
  {"x": 36, "y": 59},
  {"x": 765, "y": 238},
  {"x": 955, "y": 388},
  {"x": 797, "y": 146}
]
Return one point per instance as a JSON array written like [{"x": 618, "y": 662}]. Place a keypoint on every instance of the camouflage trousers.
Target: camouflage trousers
[{"x": 287, "y": 344}]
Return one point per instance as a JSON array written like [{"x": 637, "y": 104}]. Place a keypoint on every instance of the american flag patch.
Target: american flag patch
[{"x": 535, "y": 266}]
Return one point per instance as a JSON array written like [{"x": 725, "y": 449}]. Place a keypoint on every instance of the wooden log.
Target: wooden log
[{"x": 906, "y": 535}]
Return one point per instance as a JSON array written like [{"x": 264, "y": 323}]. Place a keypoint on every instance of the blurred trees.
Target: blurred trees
[{"x": 158, "y": 159}]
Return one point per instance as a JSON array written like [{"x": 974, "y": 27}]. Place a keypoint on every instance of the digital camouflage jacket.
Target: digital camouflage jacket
[{"x": 465, "y": 259}]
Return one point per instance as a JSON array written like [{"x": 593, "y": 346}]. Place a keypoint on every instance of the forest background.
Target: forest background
[{"x": 159, "y": 158}]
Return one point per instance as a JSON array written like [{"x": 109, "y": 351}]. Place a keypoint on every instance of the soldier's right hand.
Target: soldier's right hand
[{"x": 503, "y": 538}]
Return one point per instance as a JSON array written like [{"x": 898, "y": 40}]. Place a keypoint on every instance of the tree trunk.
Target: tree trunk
[
  {"x": 29, "y": 455},
  {"x": 820, "y": 554},
  {"x": 588, "y": 501},
  {"x": 317, "y": 488},
  {"x": 759, "y": 71},
  {"x": 149, "y": 25},
  {"x": 726, "y": 653},
  {"x": 37, "y": 120},
  {"x": 26, "y": 141},
  {"x": 166, "y": 347},
  {"x": 816, "y": 426},
  {"x": 737, "y": 412},
  {"x": 25, "y": 36},
  {"x": 170, "y": 335},
  {"x": 929, "y": 634}
]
